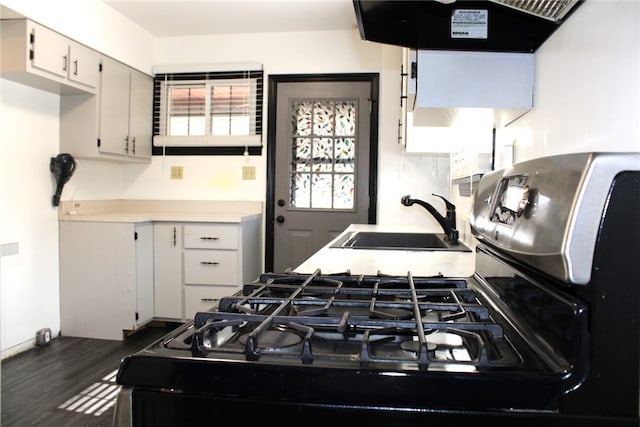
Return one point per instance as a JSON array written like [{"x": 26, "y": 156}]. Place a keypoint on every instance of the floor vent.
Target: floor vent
[{"x": 95, "y": 399}]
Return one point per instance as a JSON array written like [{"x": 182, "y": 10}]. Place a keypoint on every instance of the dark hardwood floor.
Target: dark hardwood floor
[{"x": 70, "y": 381}]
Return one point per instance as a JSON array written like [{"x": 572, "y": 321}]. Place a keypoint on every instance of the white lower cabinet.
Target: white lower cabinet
[
  {"x": 167, "y": 268},
  {"x": 117, "y": 276},
  {"x": 198, "y": 263},
  {"x": 106, "y": 278}
]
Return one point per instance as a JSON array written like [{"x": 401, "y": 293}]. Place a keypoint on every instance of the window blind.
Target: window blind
[{"x": 207, "y": 112}]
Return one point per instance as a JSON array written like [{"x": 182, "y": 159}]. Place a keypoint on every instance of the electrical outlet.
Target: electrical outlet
[
  {"x": 248, "y": 172},
  {"x": 176, "y": 172},
  {"x": 43, "y": 336}
]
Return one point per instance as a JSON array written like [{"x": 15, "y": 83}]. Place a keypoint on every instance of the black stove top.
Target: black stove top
[
  {"x": 355, "y": 320},
  {"x": 321, "y": 339}
]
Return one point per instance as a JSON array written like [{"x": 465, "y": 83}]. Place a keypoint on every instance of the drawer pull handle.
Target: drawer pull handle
[
  {"x": 209, "y": 238},
  {"x": 209, "y": 299},
  {"x": 209, "y": 263}
]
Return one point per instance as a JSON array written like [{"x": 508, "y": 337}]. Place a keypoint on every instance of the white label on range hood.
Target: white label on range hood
[{"x": 469, "y": 24}]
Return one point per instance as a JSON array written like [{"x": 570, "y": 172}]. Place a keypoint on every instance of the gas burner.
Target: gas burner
[
  {"x": 273, "y": 339},
  {"x": 414, "y": 346},
  {"x": 390, "y": 313}
]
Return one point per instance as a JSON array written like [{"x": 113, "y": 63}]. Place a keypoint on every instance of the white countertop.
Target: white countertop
[
  {"x": 391, "y": 262},
  {"x": 141, "y": 216},
  {"x": 136, "y": 211}
]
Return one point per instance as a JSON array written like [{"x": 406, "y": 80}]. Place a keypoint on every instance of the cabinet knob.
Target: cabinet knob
[
  {"x": 281, "y": 202},
  {"x": 279, "y": 219}
]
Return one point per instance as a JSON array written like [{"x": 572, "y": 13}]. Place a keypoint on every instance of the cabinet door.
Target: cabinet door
[
  {"x": 141, "y": 113},
  {"x": 144, "y": 273},
  {"x": 84, "y": 65},
  {"x": 167, "y": 270},
  {"x": 50, "y": 51},
  {"x": 114, "y": 108},
  {"x": 97, "y": 279}
]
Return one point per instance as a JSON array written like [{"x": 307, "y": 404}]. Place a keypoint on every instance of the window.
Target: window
[
  {"x": 323, "y": 154},
  {"x": 208, "y": 112}
]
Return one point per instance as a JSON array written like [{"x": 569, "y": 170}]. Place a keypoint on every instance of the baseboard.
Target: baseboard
[{"x": 17, "y": 349}]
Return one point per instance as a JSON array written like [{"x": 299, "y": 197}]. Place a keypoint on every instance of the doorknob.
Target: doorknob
[
  {"x": 280, "y": 219},
  {"x": 281, "y": 202}
]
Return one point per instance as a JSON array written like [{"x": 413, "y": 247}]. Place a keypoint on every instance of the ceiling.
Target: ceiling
[{"x": 174, "y": 18}]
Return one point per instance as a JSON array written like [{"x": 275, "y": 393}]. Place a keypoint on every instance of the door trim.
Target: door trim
[{"x": 274, "y": 81}]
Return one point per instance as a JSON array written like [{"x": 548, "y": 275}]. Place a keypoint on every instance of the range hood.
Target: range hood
[{"x": 480, "y": 25}]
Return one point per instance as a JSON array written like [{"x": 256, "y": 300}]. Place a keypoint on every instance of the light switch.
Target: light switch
[
  {"x": 248, "y": 172},
  {"x": 176, "y": 172}
]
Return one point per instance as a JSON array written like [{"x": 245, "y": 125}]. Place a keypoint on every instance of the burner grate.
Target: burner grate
[{"x": 365, "y": 320}]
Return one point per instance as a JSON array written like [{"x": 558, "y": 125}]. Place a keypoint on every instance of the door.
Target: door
[{"x": 322, "y": 155}]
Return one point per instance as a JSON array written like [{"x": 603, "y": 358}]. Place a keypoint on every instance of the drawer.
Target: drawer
[
  {"x": 211, "y": 236},
  {"x": 202, "y": 298},
  {"x": 209, "y": 267}
]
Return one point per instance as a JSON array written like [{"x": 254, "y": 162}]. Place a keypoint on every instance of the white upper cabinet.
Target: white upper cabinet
[
  {"x": 450, "y": 81},
  {"x": 107, "y": 107},
  {"x": 140, "y": 114},
  {"x": 114, "y": 125},
  {"x": 42, "y": 58},
  {"x": 126, "y": 107},
  {"x": 48, "y": 51},
  {"x": 114, "y": 108},
  {"x": 84, "y": 65}
]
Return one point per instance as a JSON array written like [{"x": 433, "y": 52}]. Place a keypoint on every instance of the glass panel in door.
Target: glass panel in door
[{"x": 323, "y": 154}]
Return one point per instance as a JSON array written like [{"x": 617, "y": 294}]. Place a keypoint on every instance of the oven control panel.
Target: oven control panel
[{"x": 547, "y": 211}]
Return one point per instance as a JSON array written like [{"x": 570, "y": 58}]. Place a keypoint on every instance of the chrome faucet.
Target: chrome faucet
[{"x": 448, "y": 222}]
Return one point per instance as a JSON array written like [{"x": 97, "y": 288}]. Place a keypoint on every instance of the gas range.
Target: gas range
[
  {"x": 526, "y": 339},
  {"x": 387, "y": 322}
]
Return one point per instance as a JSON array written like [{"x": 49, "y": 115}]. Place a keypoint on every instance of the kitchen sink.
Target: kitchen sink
[{"x": 398, "y": 241}]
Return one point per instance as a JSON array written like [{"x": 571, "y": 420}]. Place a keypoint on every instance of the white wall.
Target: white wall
[
  {"x": 586, "y": 90},
  {"x": 29, "y": 137},
  {"x": 29, "y": 127},
  {"x": 294, "y": 53},
  {"x": 401, "y": 173},
  {"x": 587, "y": 85},
  {"x": 220, "y": 178}
]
